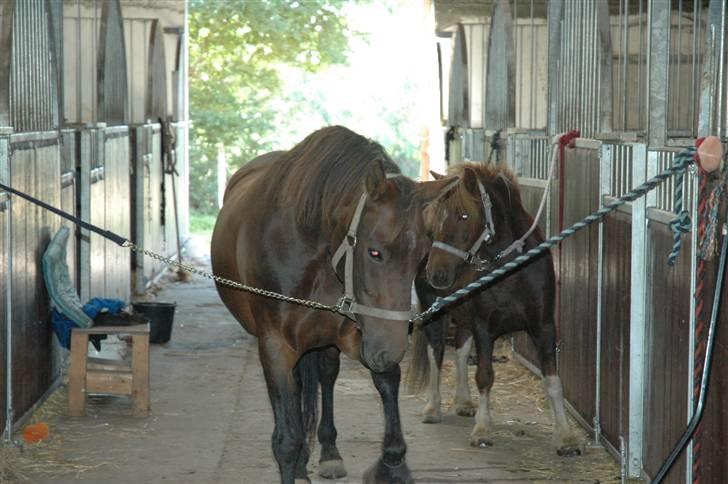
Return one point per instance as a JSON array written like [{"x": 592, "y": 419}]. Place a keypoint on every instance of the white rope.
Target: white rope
[{"x": 518, "y": 244}]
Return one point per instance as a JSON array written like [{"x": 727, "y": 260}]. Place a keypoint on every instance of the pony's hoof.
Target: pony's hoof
[
  {"x": 432, "y": 418},
  {"x": 381, "y": 473},
  {"x": 332, "y": 469},
  {"x": 481, "y": 442},
  {"x": 569, "y": 451},
  {"x": 465, "y": 410}
]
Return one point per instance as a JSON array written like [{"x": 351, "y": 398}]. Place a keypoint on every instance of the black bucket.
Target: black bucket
[{"x": 161, "y": 317}]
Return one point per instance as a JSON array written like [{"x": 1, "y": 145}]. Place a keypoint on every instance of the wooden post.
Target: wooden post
[
  {"x": 77, "y": 377},
  {"x": 140, "y": 374}
]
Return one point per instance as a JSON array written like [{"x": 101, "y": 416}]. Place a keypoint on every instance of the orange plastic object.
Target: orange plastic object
[
  {"x": 36, "y": 432},
  {"x": 710, "y": 153}
]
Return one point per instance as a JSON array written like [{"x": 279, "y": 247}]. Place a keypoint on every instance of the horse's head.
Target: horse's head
[
  {"x": 389, "y": 244},
  {"x": 470, "y": 224}
]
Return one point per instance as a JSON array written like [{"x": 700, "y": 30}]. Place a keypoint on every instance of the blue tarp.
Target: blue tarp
[{"x": 63, "y": 325}]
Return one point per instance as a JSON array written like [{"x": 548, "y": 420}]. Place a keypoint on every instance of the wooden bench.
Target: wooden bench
[{"x": 117, "y": 377}]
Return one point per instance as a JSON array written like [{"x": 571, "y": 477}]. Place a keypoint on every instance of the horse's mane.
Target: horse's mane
[{"x": 320, "y": 172}]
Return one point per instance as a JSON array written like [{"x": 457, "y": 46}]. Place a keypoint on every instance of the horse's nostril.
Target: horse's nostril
[{"x": 440, "y": 278}]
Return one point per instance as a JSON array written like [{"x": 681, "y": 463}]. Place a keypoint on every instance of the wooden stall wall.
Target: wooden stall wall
[
  {"x": 713, "y": 465},
  {"x": 580, "y": 182},
  {"x": 668, "y": 315},
  {"x": 615, "y": 331}
]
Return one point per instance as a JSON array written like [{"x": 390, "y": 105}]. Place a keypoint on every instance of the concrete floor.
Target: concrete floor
[{"x": 211, "y": 421}]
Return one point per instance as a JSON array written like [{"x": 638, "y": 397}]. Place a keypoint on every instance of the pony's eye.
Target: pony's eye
[
  {"x": 375, "y": 254},
  {"x": 463, "y": 216}
]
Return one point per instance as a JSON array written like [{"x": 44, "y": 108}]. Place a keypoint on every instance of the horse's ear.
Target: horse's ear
[
  {"x": 432, "y": 190},
  {"x": 376, "y": 182},
  {"x": 470, "y": 179},
  {"x": 436, "y": 175}
]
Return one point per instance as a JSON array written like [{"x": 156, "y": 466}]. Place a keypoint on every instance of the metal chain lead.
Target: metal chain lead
[{"x": 230, "y": 283}]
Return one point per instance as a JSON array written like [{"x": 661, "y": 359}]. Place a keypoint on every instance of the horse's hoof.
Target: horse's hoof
[
  {"x": 465, "y": 410},
  {"x": 332, "y": 469},
  {"x": 381, "y": 473},
  {"x": 569, "y": 451},
  {"x": 481, "y": 442},
  {"x": 431, "y": 419},
  {"x": 299, "y": 480}
]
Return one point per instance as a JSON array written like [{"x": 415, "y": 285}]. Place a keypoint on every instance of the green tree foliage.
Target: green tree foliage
[{"x": 237, "y": 49}]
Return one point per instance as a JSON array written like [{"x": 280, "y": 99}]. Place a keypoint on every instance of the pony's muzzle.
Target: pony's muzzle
[{"x": 440, "y": 279}]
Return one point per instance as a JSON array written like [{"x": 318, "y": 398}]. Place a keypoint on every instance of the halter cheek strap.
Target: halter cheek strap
[
  {"x": 471, "y": 256},
  {"x": 347, "y": 304}
]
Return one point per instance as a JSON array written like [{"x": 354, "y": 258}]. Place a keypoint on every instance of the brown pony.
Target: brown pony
[
  {"x": 521, "y": 301},
  {"x": 284, "y": 216}
]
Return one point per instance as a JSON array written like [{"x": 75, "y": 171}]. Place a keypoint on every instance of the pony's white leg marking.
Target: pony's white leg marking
[
  {"x": 463, "y": 405},
  {"x": 483, "y": 422},
  {"x": 431, "y": 412},
  {"x": 565, "y": 439}
]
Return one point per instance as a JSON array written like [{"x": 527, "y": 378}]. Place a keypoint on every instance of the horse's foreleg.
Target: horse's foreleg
[
  {"x": 391, "y": 467},
  {"x": 464, "y": 343},
  {"x": 484, "y": 376},
  {"x": 434, "y": 333},
  {"x": 289, "y": 446},
  {"x": 565, "y": 438},
  {"x": 331, "y": 466}
]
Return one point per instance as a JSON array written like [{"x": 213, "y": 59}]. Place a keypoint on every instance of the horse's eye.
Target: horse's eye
[
  {"x": 375, "y": 254},
  {"x": 463, "y": 216}
]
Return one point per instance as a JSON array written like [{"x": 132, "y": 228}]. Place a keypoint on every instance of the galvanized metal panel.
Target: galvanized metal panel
[
  {"x": 712, "y": 120},
  {"x": 113, "y": 91},
  {"x": 156, "y": 92},
  {"x": 5, "y": 272},
  {"x": 585, "y": 92},
  {"x": 117, "y": 260},
  {"x": 183, "y": 188},
  {"x": 500, "y": 100},
  {"x": 155, "y": 215},
  {"x": 147, "y": 227},
  {"x": 33, "y": 74},
  {"x": 34, "y": 169},
  {"x": 458, "y": 91}
]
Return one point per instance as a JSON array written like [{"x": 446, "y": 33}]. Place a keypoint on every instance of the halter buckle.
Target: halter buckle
[
  {"x": 351, "y": 240},
  {"x": 345, "y": 305}
]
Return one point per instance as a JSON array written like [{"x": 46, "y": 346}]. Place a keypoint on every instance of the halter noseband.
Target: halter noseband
[
  {"x": 471, "y": 256},
  {"x": 347, "y": 304}
]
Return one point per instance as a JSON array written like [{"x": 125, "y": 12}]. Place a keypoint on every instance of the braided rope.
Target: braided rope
[
  {"x": 681, "y": 162},
  {"x": 699, "y": 344},
  {"x": 681, "y": 224},
  {"x": 233, "y": 284}
]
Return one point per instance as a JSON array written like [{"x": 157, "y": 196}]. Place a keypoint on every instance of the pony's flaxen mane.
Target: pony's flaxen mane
[
  {"x": 498, "y": 180},
  {"x": 321, "y": 171}
]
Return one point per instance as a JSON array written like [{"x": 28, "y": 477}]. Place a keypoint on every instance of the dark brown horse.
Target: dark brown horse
[
  {"x": 484, "y": 215},
  {"x": 331, "y": 216}
]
